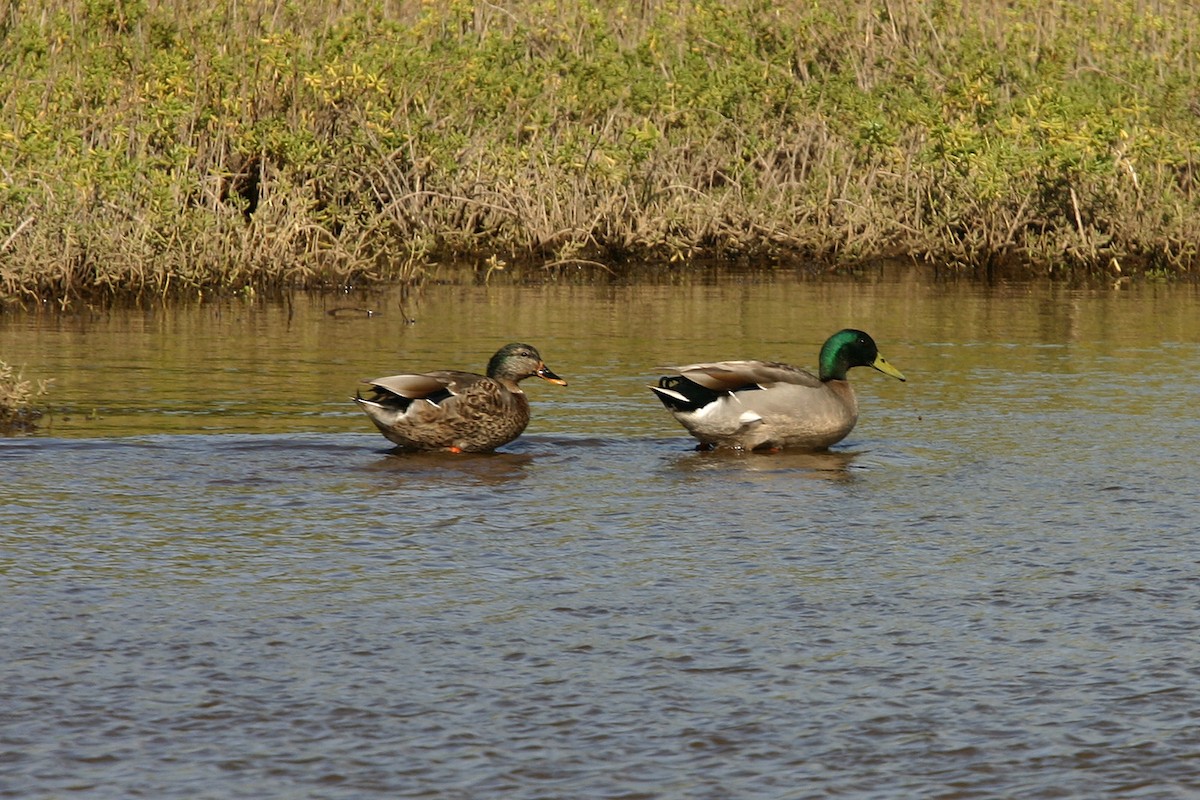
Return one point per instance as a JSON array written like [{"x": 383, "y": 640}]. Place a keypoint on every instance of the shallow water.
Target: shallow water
[{"x": 218, "y": 582}]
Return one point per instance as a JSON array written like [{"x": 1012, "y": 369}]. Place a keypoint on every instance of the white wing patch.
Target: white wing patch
[{"x": 671, "y": 393}]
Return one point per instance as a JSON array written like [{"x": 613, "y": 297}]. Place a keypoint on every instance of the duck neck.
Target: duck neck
[{"x": 834, "y": 362}]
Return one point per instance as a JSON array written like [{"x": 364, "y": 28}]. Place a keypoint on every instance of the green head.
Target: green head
[
  {"x": 850, "y": 348},
  {"x": 517, "y": 361}
]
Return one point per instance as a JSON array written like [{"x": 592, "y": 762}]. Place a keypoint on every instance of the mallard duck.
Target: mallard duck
[
  {"x": 460, "y": 412},
  {"x": 750, "y": 405}
]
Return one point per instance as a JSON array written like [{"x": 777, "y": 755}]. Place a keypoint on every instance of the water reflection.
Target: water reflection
[
  {"x": 482, "y": 468},
  {"x": 834, "y": 465}
]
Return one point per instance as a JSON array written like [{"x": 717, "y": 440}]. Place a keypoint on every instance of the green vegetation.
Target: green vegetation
[
  {"x": 158, "y": 147},
  {"x": 17, "y": 395}
]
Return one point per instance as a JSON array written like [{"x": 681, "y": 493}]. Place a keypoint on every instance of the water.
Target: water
[{"x": 218, "y": 582}]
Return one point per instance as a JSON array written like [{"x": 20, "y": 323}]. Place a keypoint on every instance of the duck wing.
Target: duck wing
[
  {"x": 731, "y": 376},
  {"x": 432, "y": 386}
]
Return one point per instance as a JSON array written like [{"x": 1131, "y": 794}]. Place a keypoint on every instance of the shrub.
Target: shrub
[{"x": 17, "y": 395}]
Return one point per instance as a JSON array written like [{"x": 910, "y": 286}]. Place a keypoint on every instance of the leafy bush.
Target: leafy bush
[{"x": 183, "y": 146}]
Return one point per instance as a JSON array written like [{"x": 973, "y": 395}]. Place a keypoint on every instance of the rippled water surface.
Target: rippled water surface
[{"x": 216, "y": 580}]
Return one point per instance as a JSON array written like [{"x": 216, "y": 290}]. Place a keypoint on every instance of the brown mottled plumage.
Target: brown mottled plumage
[
  {"x": 461, "y": 412},
  {"x": 762, "y": 404}
]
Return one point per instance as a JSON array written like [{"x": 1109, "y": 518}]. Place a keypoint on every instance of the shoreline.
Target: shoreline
[{"x": 585, "y": 272}]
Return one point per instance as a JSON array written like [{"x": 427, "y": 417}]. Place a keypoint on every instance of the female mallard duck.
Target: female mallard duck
[
  {"x": 461, "y": 412},
  {"x": 761, "y": 404}
]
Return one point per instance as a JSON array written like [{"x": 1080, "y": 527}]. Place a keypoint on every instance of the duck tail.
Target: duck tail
[{"x": 679, "y": 394}]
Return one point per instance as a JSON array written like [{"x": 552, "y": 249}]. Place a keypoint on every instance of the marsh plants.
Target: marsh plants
[
  {"x": 19, "y": 411},
  {"x": 156, "y": 147}
]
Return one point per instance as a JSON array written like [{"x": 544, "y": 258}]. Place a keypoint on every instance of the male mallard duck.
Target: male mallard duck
[
  {"x": 761, "y": 404},
  {"x": 461, "y": 412}
]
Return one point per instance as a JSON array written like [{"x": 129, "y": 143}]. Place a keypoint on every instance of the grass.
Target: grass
[
  {"x": 160, "y": 148},
  {"x": 18, "y": 396}
]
